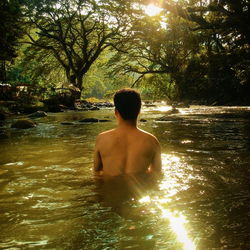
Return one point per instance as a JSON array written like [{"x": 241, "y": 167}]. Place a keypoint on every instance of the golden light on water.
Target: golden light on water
[
  {"x": 152, "y": 10},
  {"x": 177, "y": 223},
  {"x": 186, "y": 141},
  {"x": 174, "y": 169},
  {"x": 176, "y": 176},
  {"x": 145, "y": 199},
  {"x": 169, "y": 110},
  {"x": 164, "y": 108}
]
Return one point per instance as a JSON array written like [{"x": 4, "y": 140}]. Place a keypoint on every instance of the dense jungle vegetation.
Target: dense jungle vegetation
[{"x": 187, "y": 50}]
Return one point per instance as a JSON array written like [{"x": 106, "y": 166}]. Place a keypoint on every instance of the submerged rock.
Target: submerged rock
[
  {"x": 54, "y": 108},
  {"x": 84, "y": 105},
  {"x": 38, "y": 114},
  {"x": 67, "y": 123},
  {"x": 94, "y": 108},
  {"x": 62, "y": 107},
  {"x": 182, "y": 105},
  {"x": 148, "y": 103},
  {"x": 166, "y": 118},
  {"x": 23, "y": 124},
  {"x": 172, "y": 111},
  {"x": 93, "y": 120},
  {"x": 26, "y": 109},
  {"x": 104, "y": 104},
  {"x": 89, "y": 120},
  {"x": 104, "y": 120}
]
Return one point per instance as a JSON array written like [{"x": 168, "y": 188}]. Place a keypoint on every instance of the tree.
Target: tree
[
  {"x": 11, "y": 31},
  {"x": 75, "y": 32},
  {"x": 227, "y": 17},
  {"x": 204, "y": 48},
  {"x": 155, "y": 48},
  {"x": 225, "y": 24}
]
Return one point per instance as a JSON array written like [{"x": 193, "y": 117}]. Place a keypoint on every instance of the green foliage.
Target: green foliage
[
  {"x": 223, "y": 50},
  {"x": 16, "y": 75},
  {"x": 10, "y": 28},
  {"x": 198, "y": 47},
  {"x": 99, "y": 82},
  {"x": 74, "y": 33},
  {"x": 158, "y": 87},
  {"x": 197, "y": 50}
]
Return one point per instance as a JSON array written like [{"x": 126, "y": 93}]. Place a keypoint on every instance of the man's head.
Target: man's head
[{"x": 127, "y": 103}]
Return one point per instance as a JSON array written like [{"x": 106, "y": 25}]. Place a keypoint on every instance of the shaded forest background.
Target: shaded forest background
[{"x": 196, "y": 51}]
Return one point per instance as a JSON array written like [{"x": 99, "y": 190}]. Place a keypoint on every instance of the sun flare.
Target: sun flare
[
  {"x": 152, "y": 10},
  {"x": 177, "y": 223}
]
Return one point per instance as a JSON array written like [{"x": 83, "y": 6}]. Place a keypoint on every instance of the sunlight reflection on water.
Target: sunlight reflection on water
[
  {"x": 177, "y": 223},
  {"x": 176, "y": 177},
  {"x": 48, "y": 198},
  {"x": 173, "y": 169}
]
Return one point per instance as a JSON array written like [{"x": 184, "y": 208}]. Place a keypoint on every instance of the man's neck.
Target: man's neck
[{"x": 127, "y": 124}]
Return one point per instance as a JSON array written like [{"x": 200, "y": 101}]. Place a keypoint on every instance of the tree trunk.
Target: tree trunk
[
  {"x": 79, "y": 82},
  {"x": 2, "y": 71},
  {"x": 76, "y": 95},
  {"x": 76, "y": 89},
  {"x": 211, "y": 83}
]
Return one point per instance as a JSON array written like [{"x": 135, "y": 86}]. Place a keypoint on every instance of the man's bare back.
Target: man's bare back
[{"x": 127, "y": 150}]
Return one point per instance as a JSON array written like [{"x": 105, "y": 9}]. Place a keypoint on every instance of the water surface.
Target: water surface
[{"x": 49, "y": 197}]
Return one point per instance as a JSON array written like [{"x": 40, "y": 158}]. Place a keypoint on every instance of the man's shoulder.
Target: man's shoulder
[
  {"x": 149, "y": 136},
  {"x": 105, "y": 134}
]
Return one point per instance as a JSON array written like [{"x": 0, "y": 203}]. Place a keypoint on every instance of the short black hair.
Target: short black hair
[{"x": 128, "y": 103}]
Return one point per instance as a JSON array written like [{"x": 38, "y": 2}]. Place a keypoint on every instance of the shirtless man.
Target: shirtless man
[{"x": 127, "y": 149}]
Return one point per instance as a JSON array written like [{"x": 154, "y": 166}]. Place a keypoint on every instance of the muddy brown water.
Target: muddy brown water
[{"x": 49, "y": 198}]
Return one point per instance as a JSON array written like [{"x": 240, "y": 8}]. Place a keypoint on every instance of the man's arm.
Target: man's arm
[
  {"x": 97, "y": 157},
  {"x": 156, "y": 161}
]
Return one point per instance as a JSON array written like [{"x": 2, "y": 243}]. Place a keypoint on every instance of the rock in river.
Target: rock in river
[
  {"x": 54, "y": 108},
  {"x": 93, "y": 120},
  {"x": 67, "y": 123},
  {"x": 94, "y": 108},
  {"x": 23, "y": 124},
  {"x": 104, "y": 120},
  {"x": 37, "y": 114},
  {"x": 168, "y": 118},
  {"x": 89, "y": 120},
  {"x": 172, "y": 111}
]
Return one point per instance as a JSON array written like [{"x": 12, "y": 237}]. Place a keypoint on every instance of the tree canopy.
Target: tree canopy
[
  {"x": 74, "y": 32},
  {"x": 202, "y": 45},
  {"x": 191, "y": 49},
  {"x": 10, "y": 30}
]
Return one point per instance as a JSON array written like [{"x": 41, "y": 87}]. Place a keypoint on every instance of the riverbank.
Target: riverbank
[
  {"x": 8, "y": 108},
  {"x": 62, "y": 103}
]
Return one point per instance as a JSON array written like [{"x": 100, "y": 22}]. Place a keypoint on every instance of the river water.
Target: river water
[{"x": 49, "y": 198}]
